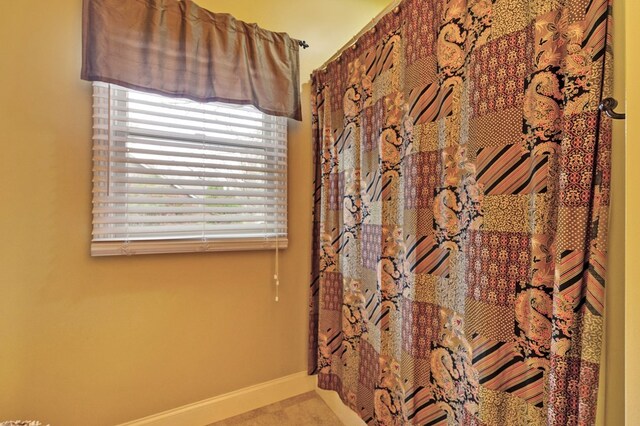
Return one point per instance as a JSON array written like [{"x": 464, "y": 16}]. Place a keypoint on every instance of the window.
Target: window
[{"x": 175, "y": 175}]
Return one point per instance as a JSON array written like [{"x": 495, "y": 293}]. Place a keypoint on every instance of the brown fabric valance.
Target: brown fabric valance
[{"x": 179, "y": 49}]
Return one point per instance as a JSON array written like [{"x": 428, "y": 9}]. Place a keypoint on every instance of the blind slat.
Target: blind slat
[
  {"x": 198, "y": 155},
  {"x": 134, "y": 179},
  {"x": 144, "y": 162},
  {"x": 187, "y": 245},
  {"x": 124, "y": 133},
  {"x": 170, "y": 228},
  {"x": 133, "y": 209},
  {"x": 210, "y": 146},
  {"x": 121, "y": 105},
  {"x": 136, "y": 189},
  {"x": 206, "y": 117},
  {"x": 241, "y": 112},
  {"x": 184, "y": 218},
  {"x": 184, "y": 200},
  {"x": 266, "y": 177},
  {"x": 141, "y": 126}
]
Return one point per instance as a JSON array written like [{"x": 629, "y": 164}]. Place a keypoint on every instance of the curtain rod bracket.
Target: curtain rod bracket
[{"x": 608, "y": 105}]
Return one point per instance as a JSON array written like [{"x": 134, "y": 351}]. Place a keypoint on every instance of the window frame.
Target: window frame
[{"x": 104, "y": 142}]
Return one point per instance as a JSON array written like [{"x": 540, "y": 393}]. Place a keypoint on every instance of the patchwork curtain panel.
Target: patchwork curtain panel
[{"x": 462, "y": 190}]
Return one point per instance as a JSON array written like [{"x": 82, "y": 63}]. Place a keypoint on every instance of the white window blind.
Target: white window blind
[{"x": 174, "y": 175}]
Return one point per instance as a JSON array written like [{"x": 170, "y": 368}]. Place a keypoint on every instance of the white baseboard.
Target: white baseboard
[
  {"x": 346, "y": 415},
  {"x": 231, "y": 404}
]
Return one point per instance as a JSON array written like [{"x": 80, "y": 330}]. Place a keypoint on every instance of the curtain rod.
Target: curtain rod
[
  {"x": 393, "y": 6},
  {"x": 301, "y": 43}
]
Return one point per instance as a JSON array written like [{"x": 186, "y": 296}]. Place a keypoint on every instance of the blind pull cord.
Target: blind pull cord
[
  {"x": 276, "y": 275},
  {"x": 127, "y": 185},
  {"x": 205, "y": 240}
]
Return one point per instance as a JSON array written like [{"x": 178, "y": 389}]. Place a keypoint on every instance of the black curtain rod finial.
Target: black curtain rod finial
[
  {"x": 303, "y": 44},
  {"x": 608, "y": 105}
]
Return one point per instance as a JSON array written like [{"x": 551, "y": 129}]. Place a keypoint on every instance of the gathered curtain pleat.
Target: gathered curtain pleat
[
  {"x": 462, "y": 173},
  {"x": 178, "y": 49}
]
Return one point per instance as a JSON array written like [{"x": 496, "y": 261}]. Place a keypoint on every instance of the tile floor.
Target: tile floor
[{"x": 303, "y": 410}]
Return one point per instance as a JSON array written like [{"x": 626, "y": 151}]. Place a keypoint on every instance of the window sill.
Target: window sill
[{"x": 121, "y": 248}]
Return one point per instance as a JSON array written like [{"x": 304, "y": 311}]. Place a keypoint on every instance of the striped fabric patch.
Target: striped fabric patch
[
  {"x": 369, "y": 61},
  {"x": 341, "y": 242},
  {"x": 596, "y": 28},
  {"x": 422, "y": 408},
  {"x": 430, "y": 103},
  {"x": 385, "y": 54},
  {"x": 507, "y": 170},
  {"x": 342, "y": 138},
  {"x": 385, "y": 318},
  {"x": 381, "y": 59},
  {"x": 583, "y": 279},
  {"x": 595, "y": 281},
  {"x": 373, "y": 307},
  {"x": 379, "y": 187},
  {"x": 388, "y": 190},
  {"x": 334, "y": 340},
  {"x": 500, "y": 368},
  {"x": 427, "y": 257},
  {"x": 374, "y": 185},
  {"x": 572, "y": 269}
]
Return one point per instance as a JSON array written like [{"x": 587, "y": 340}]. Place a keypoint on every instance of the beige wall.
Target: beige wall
[
  {"x": 98, "y": 341},
  {"x": 632, "y": 285},
  {"x": 612, "y": 377}
]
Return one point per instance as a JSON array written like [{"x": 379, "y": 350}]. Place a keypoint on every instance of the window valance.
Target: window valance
[{"x": 176, "y": 48}]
